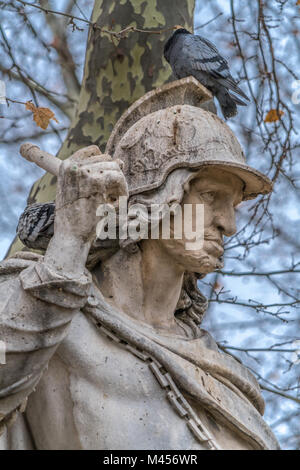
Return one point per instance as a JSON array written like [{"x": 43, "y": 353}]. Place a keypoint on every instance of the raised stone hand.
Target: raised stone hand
[{"x": 85, "y": 180}]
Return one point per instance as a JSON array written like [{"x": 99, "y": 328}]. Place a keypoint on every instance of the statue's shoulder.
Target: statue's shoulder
[{"x": 18, "y": 261}]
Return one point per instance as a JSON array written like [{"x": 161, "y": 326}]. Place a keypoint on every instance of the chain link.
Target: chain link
[{"x": 173, "y": 394}]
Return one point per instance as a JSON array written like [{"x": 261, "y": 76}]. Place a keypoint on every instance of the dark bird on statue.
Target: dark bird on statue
[
  {"x": 36, "y": 225},
  {"x": 193, "y": 55}
]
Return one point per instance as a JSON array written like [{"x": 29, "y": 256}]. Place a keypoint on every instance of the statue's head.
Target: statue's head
[{"x": 177, "y": 152}]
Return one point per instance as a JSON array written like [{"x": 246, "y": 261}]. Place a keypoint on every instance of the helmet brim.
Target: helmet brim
[{"x": 255, "y": 182}]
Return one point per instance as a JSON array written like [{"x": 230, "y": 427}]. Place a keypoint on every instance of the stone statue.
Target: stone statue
[{"x": 104, "y": 348}]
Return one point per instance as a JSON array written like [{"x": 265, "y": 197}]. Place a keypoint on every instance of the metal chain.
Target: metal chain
[{"x": 175, "y": 397}]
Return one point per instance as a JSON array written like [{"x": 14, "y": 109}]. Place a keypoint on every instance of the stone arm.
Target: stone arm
[
  {"x": 38, "y": 299},
  {"x": 37, "y": 305}
]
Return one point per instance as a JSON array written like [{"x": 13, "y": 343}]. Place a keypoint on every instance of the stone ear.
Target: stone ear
[{"x": 185, "y": 91}]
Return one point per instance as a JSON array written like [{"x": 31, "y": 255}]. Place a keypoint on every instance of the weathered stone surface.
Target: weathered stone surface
[
  {"x": 185, "y": 91},
  {"x": 116, "y": 358},
  {"x": 168, "y": 129}
]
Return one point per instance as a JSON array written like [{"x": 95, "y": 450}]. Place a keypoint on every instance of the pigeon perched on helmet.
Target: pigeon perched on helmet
[{"x": 190, "y": 54}]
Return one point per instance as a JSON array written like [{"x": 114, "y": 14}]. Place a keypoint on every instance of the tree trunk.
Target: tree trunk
[{"x": 116, "y": 75}]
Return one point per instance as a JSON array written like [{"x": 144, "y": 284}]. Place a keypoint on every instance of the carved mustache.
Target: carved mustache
[
  {"x": 216, "y": 242},
  {"x": 208, "y": 236}
]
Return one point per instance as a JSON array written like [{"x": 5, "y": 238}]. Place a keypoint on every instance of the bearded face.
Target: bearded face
[{"x": 219, "y": 192}]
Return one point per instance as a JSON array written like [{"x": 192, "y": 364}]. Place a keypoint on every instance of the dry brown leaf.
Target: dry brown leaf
[
  {"x": 41, "y": 116},
  {"x": 217, "y": 286},
  {"x": 298, "y": 2},
  {"x": 273, "y": 115}
]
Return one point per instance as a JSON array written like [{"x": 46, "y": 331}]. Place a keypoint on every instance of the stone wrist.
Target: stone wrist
[{"x": 67, "y": 253}]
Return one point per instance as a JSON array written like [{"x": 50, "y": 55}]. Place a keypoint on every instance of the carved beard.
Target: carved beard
[
  {"x": 203, "y": 261},
  {"x": 215, "y": 258}
]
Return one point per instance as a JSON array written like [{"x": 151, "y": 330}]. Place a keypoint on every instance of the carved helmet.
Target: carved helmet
[{"x": 172, "y": 127}]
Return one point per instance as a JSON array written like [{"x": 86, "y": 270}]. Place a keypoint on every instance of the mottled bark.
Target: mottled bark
[{"x": 115, "y": 75}]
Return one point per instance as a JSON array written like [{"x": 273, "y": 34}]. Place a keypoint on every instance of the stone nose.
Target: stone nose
[{"x": 225, "y": 220}]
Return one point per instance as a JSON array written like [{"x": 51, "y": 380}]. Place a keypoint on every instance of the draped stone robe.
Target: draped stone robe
[{"x": 81, "y": 375}]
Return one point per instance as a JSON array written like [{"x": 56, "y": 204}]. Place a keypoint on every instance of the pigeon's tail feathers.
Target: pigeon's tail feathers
[
  {"x": 240, "y": 92},
  {"x": 238, "y": 100},
  {"x": 228, "y": 106},
  {"x": 231, "y": 85}
]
